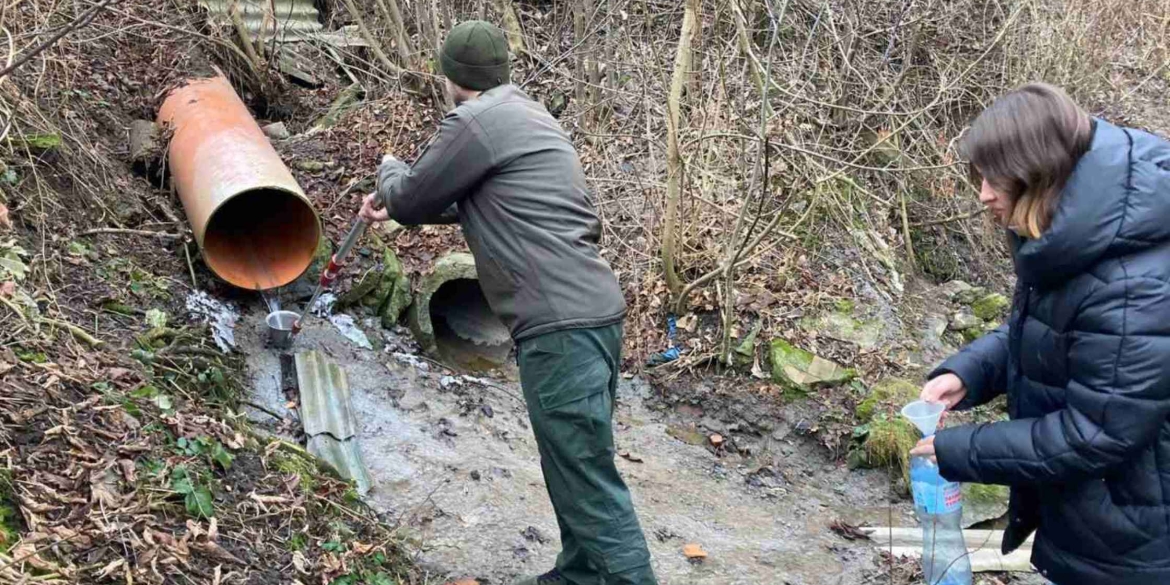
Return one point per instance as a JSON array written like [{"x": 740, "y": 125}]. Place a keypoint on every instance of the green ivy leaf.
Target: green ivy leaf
[
  {"x": 221, "y": 456},
  {"x": 333, "y": 546},
  {"x": 181, "y": 481},
  {"x": 146, "y": 391},
  {"x": 199, "y": 503},
  {"x": 380, "y": 578}
]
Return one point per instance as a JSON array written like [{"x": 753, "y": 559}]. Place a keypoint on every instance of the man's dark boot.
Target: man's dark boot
[{"x": 552, "y": 577}]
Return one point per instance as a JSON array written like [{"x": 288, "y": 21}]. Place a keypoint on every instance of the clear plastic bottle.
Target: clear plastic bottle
[{"x": 939, "y": 504}]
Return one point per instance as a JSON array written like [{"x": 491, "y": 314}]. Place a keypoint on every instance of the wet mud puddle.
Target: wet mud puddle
[{"x": 454, "y": 461}]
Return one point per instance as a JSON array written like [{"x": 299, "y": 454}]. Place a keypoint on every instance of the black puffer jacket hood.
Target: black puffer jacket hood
[{"x": 1085, "y": 361}]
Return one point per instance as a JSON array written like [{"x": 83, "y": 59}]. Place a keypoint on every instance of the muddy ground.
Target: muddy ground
[{"x": 456, "y": 466}]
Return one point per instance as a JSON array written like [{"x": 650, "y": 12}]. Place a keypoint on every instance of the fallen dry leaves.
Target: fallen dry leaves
[
  {"x": 848, "y": 531},
  {"x": 694, "y": 552}
]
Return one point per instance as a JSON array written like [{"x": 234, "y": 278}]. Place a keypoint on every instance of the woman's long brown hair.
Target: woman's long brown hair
[{"x": 1026, "y": 145}]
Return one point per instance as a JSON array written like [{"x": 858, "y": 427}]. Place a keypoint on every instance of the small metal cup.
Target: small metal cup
[{"x": 280, "y": 328}]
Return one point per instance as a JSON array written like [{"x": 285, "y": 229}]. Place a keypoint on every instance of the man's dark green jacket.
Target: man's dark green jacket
[{"x": 504, "y": 164}]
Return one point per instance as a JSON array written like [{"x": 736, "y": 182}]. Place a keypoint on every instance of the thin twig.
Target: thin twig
[
  {"x": 946, "y": 220},
  {"x": 77, "y": 23},
  {"x": 163, "y": 235}
]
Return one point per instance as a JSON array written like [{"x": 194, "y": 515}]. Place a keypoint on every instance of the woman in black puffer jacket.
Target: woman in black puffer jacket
[{"x": 1085, "y": 356}]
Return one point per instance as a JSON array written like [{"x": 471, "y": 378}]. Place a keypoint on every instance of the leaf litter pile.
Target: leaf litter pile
[
  {"x": 125, "y": 458},
  {"x": 108, "y": 476}
]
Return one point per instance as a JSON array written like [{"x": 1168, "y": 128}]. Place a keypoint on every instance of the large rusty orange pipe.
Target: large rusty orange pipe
[{"x": 256, "y": 227}]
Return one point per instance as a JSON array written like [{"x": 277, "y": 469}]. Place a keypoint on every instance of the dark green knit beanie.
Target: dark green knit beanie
[{"x": 475, "y": 56}]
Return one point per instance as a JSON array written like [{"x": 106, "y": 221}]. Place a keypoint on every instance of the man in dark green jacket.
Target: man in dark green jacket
[{"x": 504, "y": 168}]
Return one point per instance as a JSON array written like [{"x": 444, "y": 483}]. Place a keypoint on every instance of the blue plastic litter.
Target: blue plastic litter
[{"x": 672, "y": 352}]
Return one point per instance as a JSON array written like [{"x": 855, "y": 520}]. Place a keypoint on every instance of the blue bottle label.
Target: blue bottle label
[{"x": 938, "y": 498}]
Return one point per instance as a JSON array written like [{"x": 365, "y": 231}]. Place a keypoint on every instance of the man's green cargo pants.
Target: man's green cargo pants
[{"x": 570, "y": 384}]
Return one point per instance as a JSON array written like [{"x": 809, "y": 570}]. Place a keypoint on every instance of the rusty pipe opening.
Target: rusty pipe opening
[
  {"x": 256, "y": 227},
  {"x": 261, "y": 238}
]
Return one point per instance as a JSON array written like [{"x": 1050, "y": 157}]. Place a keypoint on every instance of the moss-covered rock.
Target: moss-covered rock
[
  {"x": 991, "y": 307},
  {"x": 803, "y": 371},
  {"x": 963, "y": 321},
  {"x": 968, "y": 296},
  {"x": 384, "y": 289},
  {"x": 393, "y": 291},
  {"x": 888, "y": 396},
  {"x": 357, "y": 293},
  {"x": 983, "y": 502},
  {"x": 888, "y": 443},
  {"x": 843, "y": 326},
  {"x": 970, "y": 335}
]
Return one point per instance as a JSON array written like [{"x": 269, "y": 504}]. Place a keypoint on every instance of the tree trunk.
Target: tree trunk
[
  {"x": 370, "y": 39},
  {"x": 587, "y": 70},
  {"x": 745, "y": 46},
  {"x": 398, "y": 29},
  {"x": 674, "y": 170},
  {"x": 511, "y": 25},
  {"x": 428, "y": 25},
  {"x": 579, "y": 33}
]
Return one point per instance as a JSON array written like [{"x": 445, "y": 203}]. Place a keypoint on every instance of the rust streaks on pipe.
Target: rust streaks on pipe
[{"x": 256, "y": 227}]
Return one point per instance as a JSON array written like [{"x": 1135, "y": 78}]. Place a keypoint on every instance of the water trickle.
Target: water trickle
[{"x": 271, "y": 300}]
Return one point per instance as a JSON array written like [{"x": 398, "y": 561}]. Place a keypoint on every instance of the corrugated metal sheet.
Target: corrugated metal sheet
[
  {"x": 294, "y": 18},
  {"x": 345, "y": 457},
  {"x": 328, "y": 417},
  {"x": 325, "y": 406}
]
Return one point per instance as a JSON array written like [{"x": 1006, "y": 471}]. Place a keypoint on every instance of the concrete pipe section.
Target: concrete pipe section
[
  {"x": 451, "y": 319},
  {"x": 253, "y": 222}
]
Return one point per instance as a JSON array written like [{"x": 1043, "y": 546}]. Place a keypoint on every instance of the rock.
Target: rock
[
  {"x": 712, "y": 424},
  {"x": 145, "y": 149},
  {"x": 688, "y": 435},
  {"x": 802, "y": 371},
  {"x": 932, "y": 347},
  {"x": 888, "y": 395},
  {"x": 970, "y": 295},
  {"x": 277, "y": 131},
  {"x": 962, "y": 321},
  {"x": 953, "y": 288},
  {"x": 310, "y": 166},
  {"x": 413, "y": 399},
  {"x": 983, "y": 502},
  {"x": 630, "y": 456},
  {"x": 991, "y": 307},
  {"x": 844, "y": 327}
]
